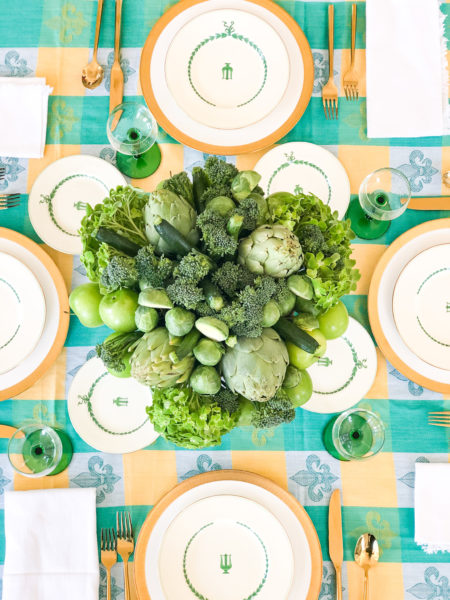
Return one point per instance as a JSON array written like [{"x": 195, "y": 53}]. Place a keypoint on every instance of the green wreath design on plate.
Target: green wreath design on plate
[
  {"x": 186, "y": 576},
  {"x": 418, "y": 320},
  {"x": 291, "y": 160},
  {"x": 87, "y": 400},
  {"x": 229, "y": 32},
  {"x": 357, "y": 364},
  {"x": 18, "y": 326}
]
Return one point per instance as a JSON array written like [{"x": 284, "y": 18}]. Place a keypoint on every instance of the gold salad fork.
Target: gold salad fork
[
  {"x": 329, "y": 90},
  {"x": 108, "y": 555},
  {"x": 125, "y": 545},
  {"x": 351, "y": 77},
  {"x": 439, "y": 418},
  {"x": 9, "y": 201}
]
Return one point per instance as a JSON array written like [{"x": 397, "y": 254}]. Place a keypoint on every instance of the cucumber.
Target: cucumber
[
  {"x": 185, "y": 347},
  {"x": 290, "y": 332},
  {"x": 155, "y": 299},
  {"x": 213, "y": 296},
  {"x": 117, "y": 241},
  {"x": 176, "y": 241},
  {"x": 212, "y": 328}
]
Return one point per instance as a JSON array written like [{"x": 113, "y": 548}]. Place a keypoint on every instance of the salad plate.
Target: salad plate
[
  {"x": 22, "y": 312},
  {"x": 380, "y": 304},
  {"x": 227, "y": 76},
  {"x": 421, "y": 306},
  {"x": 346, "y": 372},
  {"x": 108, "y": 412},
  {"x": 58, "y": 198},
  {"x": 301, "y": 167},
  {"x": 225, "y": 535},
  {"x": 56, "y": 324},
  {"x": 272, "y": 510}
]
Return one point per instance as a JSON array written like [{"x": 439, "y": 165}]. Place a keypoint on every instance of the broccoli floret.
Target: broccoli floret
[
  {"x": 194, "y": 266},
  {"x": 181, "y": 185},
  {"x": 214, "y": 234},
  {"x": 311, "y": 238},
  {"x": 227, "y": 400},
  {"x": 219, "y": 172},
  {"x": 184, "y": 292},
  {"x": 153, "y": 270},
  {"x": 203, "y": 309},
  {"x": 120, "y": 272},
  {"x": 113, "y": 349},
  {"x": 274, "y": 412},
  {"x": 249, "y": 209},
  {"x": 231, "y": 278}
]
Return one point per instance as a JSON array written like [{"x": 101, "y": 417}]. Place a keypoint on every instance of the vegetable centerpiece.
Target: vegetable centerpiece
[{"x": 219, "y": 298}]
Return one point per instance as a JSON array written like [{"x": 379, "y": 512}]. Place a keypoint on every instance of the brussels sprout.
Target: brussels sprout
[
  {"x": 146, "y": 318},
  {"x": 208, "y": 352},
  {"x": 263, "y": 216},
  {"x": 306, "y": 321},
  {"x": 155, "y": 299},
  {"x": 271, "y": 314},
  {"x": 205, "y": 380},
  {"x": 244, "y": 183},
  {"x": 179, "y": 321},
  {"x": 287, "y": 304},
  {"x": 212, "y": 328},
  {"x": 301, "y": 286},
  {"x": 222, "y": 205}
]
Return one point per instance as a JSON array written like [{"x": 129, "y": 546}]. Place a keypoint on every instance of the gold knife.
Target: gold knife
[
  {"x": 116, "y": 88},
  {"x": 335, "y": 543}
]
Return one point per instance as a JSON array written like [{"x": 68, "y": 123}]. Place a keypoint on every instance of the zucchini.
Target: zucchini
[
  {"x": 117, "y": 241},
  {"x": 176, "y": 241},
  {"x": 185, "y": 347},
  {"x": 213, "y": 296},
  {"x": 290, "y": 332}
]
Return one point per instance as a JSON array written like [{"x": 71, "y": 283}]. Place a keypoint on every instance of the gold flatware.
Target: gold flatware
[
  {"x": 116, "y": 89},
  {"x": 367, "y": 554},
  {"x": 430, "y": 203},
  {"x": 125, "y": 545},
  {"x": 351, "y": 77},
  {"x": 108, "y": 555},
  {"x": 9, "y": 201},
  {"x": 92, "y": 74},
  {"x": 439, "y": 418},
  {"x": 329, "y": 90},
  {"x": 335, "y": 542},
  {"x": 2, "y": 172}
]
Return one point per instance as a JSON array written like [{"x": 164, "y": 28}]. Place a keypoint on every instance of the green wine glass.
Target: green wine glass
[
  {"x": 355, "y": 434},
  {"x": 132, "y": 132}
]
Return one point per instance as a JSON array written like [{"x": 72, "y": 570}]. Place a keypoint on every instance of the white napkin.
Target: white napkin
[
  {"x": 406, "y": 66},
  {"x": 51, "y": 545},
  {"x": 432, "y": 515},
  {"x": 23, "y": 116}
]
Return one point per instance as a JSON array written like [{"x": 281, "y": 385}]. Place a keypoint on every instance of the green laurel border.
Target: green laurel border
[
  {"x": 300, "y": 162},
  {"x": 418, "y": 320},
  {"x": 19, "y": 301},
  {"x": 358, "y": 364}
]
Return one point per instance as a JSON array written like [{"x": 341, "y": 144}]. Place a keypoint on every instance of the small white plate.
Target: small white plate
[
  {"x": 22, "y": 312},
  {"x": 226, "y": 547},
  {"x": 304, "y": 167},
  {"x": 421, "y": 306},
  {"x": 108, "y": 412},
  {"x": 346, "y": 372},
  {"x": 58, "y": 198},
  {"x": 227, "y": 68}
]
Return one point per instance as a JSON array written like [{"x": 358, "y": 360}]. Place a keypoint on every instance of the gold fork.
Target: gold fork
[
  {"x": 329, "y": 90},
  {"x": 108, "y": 555},
  {"x": 9, "y": 201},
  {"x": 125, "y": 545},
  {"x": 351, "y": 77},
  {"x": 439, "y": 418}
]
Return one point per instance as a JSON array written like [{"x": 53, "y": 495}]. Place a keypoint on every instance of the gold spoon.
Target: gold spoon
[
  {"x": 367, "y": 554},
  {"x": 92, "y": 74}
]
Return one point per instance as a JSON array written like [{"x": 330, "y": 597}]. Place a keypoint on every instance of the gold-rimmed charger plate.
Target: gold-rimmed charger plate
[{"x": 197, "y": 487}]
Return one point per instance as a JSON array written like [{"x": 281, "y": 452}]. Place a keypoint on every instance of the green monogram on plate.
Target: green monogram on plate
[
  {"x": 120, "y": 401},
  {"x": 358, "y": 363},
  {"x": 447, "y": 307},
  {"x": 324, "y": 361},
  {"x": 227, "y": 71},
  {"x": 225, "y": 563}
]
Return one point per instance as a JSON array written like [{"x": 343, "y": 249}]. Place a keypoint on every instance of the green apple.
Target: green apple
[
  {"x": 301, "y": 359},
  {"x": 117, "y": 310},
  {"x": 334, "y": 322},
  {"x": 85, "y": 301},
  {"x": 298, "y": 386}
]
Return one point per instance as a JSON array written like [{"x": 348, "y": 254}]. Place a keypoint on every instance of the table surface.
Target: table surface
[{"x": 51, "y": 38}]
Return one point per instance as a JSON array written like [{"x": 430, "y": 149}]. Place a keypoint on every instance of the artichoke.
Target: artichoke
[
  {"x": 174, "y": 209},
  {"x": 151, "y": 365},
  {"x": 271, "y": 250},
  {"x": 255, "y": 367}
]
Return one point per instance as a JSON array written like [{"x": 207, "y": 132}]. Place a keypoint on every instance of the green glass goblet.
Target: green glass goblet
[{"x": 355, "y": 434}]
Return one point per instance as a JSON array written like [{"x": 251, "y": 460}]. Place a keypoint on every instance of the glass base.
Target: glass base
[
  {"x": 138, "y": 167},
  {"x": 355, "y": 436},
  {"x": 365, "y": 227},
  {"x": 36, "y": 454},
  {"x": 328, "y": 441}
]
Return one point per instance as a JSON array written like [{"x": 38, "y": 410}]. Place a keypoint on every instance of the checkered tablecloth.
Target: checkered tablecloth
[{"x": 52, "y": 38}]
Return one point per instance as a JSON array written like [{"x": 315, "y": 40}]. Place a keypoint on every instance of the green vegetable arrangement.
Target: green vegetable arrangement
[{"x": 221, "y": 298}]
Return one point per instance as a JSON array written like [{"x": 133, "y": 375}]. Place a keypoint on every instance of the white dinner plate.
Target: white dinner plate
[
  {"x": 58, "y": 198},
  {"x": 380, "y": 303},
  {"x": 108, "y": 412},
  {"x": 345, "y": 373},
  {"x": 303, "y": 167},
  {"x": 22, "y": 312},
  {"x": 226, "y": 547},
  {"x": 421, "y": 306}
]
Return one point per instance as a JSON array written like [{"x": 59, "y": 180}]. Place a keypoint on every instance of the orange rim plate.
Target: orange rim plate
[{"x": 298, "y": 513}]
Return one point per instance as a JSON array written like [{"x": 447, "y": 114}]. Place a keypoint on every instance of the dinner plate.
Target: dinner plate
[
  {"x": 345, "y": 373},
  {"x": 22, "y": 312},
  {"x": 56, "y": 323},
  {"x": 58, "y": 198},
  {"x": 380, "y": 303},
  {"x": 303, "y": 167},
  {"x": 421, "y": 306},
  {"x": 108, "y": 412},
  {"x": 226, "y": 535},
  {"x": 307, "y": 574},
  {"x": 227, "y": 76}
]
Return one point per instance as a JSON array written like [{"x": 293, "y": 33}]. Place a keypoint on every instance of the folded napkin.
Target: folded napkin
[
  {"x": 23, "y": 116},
  {"x": 406, "y": 68},
  {"x": 432, "y": 515},
  {"x": 51, "y": 545}
]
